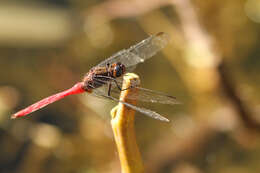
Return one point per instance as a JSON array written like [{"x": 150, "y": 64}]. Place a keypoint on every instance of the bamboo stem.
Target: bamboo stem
[{"x": 123, "y": 128}]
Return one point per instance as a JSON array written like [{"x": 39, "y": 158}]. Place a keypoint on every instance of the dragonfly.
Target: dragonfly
[{"x": 105, "y": 79}]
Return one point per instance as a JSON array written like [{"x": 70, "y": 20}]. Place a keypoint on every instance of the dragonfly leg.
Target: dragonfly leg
[
  {"x": 117, "y": 85},
  {"x": 109, "y": 89},
  {"x": 114, "y": 80}
]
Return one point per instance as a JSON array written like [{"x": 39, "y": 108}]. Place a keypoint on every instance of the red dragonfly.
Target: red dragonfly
[{"x": 105, "y": 79}]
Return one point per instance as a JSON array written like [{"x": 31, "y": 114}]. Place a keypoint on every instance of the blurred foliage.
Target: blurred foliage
[{"x": 212, "y": 66}]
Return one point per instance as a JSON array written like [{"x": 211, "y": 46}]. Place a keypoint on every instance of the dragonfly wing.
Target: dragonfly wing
[
  {"x": 146, "y": 95},
  {"x": 140, "y": 52},
  {"x": 125, "y": 57},
  {"x": 101, "y": 92},
  {"x": 144, "y": 111},
  {"x": 143, "y": 94},
  {"x": 150, "y": 46}
]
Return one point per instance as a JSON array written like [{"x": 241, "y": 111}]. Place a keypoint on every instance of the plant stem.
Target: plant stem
[{"x": 123, "y": 128}]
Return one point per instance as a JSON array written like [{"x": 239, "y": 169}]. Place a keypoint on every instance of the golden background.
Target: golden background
[{"x": 211, "y": 65}]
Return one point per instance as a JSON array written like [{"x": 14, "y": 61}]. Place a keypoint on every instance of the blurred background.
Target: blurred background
[{"x": 211, "y": 65}]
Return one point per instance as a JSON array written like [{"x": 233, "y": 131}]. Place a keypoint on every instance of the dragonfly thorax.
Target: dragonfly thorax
[{"x": 98, "y": 76}]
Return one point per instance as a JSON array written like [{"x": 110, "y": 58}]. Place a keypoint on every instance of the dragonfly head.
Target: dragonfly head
[{"x": 118, "y": 69}]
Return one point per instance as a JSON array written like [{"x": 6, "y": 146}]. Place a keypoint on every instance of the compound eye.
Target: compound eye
[{"x": 118, "y": 70}]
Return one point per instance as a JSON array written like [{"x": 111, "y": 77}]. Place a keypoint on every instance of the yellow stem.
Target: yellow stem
[{"x": 123, "y": 127}]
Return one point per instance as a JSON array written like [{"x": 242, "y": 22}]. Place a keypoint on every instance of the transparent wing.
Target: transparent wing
[
  {"x": 100, "y": 92},
  {"x": 143, "y": 94},
  {"x": 140, "y": 52},
  {"x": 146, "y": 95}
]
